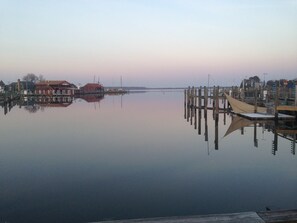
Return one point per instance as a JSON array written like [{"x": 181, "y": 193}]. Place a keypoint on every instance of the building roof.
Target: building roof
[
  {"x": 92, "y": 85},
  {"x": 54, "y": 82}
]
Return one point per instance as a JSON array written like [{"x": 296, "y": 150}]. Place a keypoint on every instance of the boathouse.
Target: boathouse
[
  {"x": 55, "y": 88},
  {"x": 91, "y": 88}
]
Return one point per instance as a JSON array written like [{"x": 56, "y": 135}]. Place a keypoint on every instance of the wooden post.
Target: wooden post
[
  {"x": 206, "y": 126},
  {"x": 213, "y": 101},
  {"x": 192, "y": 96},
  {"x": 217, "y": 101},
  {"x": 195, "y": 117},
  {"x": 192, "y": 104},
  {"x": 189, "y": 98},
  {"x": 188, "y": 104},
  {"x": 296, "y": 95},
  {"x": 276, "y": 103},
  {"x": 199, "y": 122},
  {"x": 205, "y": 97},
  {"x": 199, "y": 98},
  {"x": 256, "y": 96},
  {"x": 195, "y": 97},
  {"x": 199, "y": 111},
  {"x": 185, "y": 103}
]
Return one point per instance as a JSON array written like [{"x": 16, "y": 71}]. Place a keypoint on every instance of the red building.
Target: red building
[
  {"x": 91, "y": 88},
  {"x": 55, "y": 88}
]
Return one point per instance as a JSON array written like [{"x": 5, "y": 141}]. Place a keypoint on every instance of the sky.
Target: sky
[{"x": 152, "y": 43}]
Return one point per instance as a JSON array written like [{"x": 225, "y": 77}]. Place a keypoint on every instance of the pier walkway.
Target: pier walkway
[{"x": 244, "y": 217}]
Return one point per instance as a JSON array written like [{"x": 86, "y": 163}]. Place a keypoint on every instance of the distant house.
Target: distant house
[
  {"x": 252, "y": 82},
  {"x": 91, "y": 88},
  {"x": 55, "y": 88},
  {"x": 2, "y": 87}
]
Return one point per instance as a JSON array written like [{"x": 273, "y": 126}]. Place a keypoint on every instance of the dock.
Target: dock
[
  {"x": 276, "y": 104},
  {"x": 243, "y": 217},
  {"x": 262, "y": 116}
]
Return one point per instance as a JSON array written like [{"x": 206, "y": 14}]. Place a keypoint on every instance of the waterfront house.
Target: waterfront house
[
  {"x": 55, "y": 88},
  {"x": 91, "y": 88},
  {"x": 2, "y": 87},
  {"x": 252, "y": 82}
]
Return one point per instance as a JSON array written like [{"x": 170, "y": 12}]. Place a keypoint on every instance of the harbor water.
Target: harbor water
[{"x": 137, "y": 155}]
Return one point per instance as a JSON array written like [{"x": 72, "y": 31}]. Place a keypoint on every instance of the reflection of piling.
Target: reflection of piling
[
  {"x": 293, "y": 146},
  {"x": 206, "y": 126},
  {"x": 275, "y": 143},
  {"x": 216, "y": 134},
  {"x": 255, "y": 135},
  {"x": 5, "y": 108}
]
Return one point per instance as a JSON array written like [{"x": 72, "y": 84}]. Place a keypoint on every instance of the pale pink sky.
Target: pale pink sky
[{"x": 148, "y": 43}]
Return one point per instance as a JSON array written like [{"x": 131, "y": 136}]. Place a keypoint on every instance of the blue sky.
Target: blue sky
[{"x": 148, "y": 43}]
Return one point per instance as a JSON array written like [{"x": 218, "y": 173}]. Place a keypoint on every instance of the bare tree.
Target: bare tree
[
  {"x": 30, "y": 77},
  {"x": 33, "y": 78}
]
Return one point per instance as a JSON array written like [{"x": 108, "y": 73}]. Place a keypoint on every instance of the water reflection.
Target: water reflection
[
  {"x": 286, "y": 129},
  {"x": 34, "y": 104}
]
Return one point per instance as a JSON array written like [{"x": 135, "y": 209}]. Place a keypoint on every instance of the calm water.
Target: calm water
[{"x": 135, "y": 156}]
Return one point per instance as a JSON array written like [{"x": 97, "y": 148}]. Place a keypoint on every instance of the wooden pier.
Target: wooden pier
[
  {"x": 275, "y": 101},
  {"x": 244, "y": 217},
  {"x": 197, "y": 106}
]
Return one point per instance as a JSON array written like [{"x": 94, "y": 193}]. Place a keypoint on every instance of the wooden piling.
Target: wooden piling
[
  {"x": 256, "y": 97},
  {"x": 185, "y": 103},
  {"x": 296, "y": 95},
  {"x": 199, "y": 111},
  {"x": 205, "y": 97},
  {"x": 276, "y": 103},
  {"x": 199, "y": 98},
  {"x": 217, "y": 102}
]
